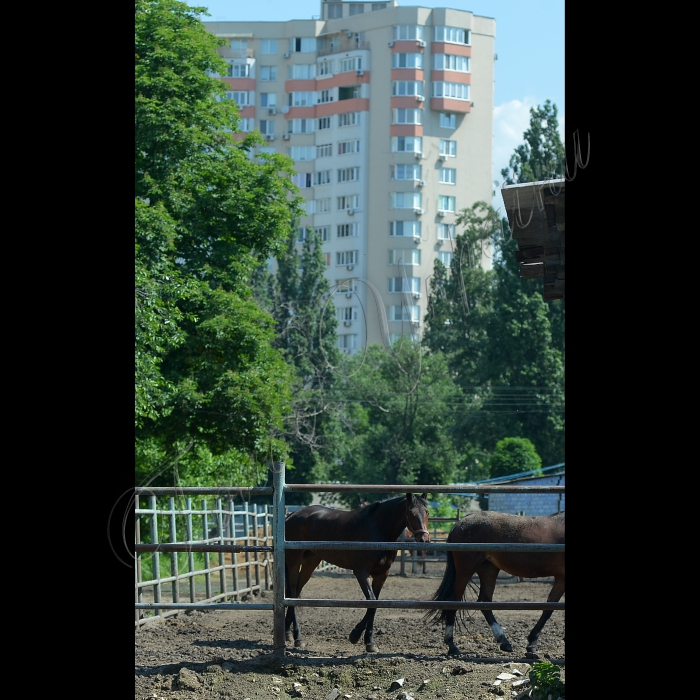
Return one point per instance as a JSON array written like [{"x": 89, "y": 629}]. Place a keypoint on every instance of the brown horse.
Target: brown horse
[
  {"x": 490, "y": 528},
  {"x": 382, "y": 521}
]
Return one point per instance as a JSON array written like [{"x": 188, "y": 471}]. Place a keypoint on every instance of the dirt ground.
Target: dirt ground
[{"x": 227, "y": 654}]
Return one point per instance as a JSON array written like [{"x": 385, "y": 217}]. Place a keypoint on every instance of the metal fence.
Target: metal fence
[{"x": 279, "y": 545}]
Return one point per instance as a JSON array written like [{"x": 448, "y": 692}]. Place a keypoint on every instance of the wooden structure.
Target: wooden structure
[{"x": 535, "y": 213}]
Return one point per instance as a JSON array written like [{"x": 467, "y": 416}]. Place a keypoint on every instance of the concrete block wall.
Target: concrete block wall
[{"x": 530, "y": 503}]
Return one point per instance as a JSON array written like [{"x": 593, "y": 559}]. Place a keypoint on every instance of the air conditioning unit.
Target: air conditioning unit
[
  {"x": 351, "y": 212},
  {"x": 348, "y": 34},
  {"x": 350, "y": 267},
  {"x": 418, "y": 155},
  {"x": 417, "y": 295},
  {"x": 420, "y": 98},
  {"x": 348, "y": 294},
  {"x": 286, "y": 54},
  {"x": 420, "y": 183},
  {"x": 416, "y": 239},
  {"x": 347, "y": 323},
  {"x": 360, "y": 72},
  {"x": 391, "y": 43},
  {"x": 286, "y": 137},
  {"x": 442, "y": 156},
  {"x": 417, "y": 210},
  {"x": 421, "y": 43},
  {"x": 440, "y": 241},
  {"x": 441, "y": 213},
  {"x": 270, "y": 137},
  {"x": 272, "y": 110}
]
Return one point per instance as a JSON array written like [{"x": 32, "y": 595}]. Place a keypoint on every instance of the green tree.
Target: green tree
[
  {"x": 302, "y": 304},
  {"x": 541, "y": 157},
  {"x": 397, "y": 419},
  {"x": 208, "y": 211},
  {"x": 513, "y": 455}
]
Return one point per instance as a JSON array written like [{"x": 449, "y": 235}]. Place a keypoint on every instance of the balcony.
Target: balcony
[{"x": 343, "y": 45}]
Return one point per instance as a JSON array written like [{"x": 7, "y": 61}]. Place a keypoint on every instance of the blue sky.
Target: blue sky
[{"x": 529, "y": 44}]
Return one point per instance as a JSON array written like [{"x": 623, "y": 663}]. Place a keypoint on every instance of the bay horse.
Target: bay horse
[
  {"x": 491, "y": 527},
  {"x": 382, "y": 521},
  {"x": 407, "y": 536}
]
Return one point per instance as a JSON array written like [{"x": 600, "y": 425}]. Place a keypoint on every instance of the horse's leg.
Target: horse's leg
[
  {"x": 488, "y": 575},
  {"x": 363, "y": 579},
  {"x": 292, "y": 564},
  {"x": 308, "y": 566},
  {"x": 463, "y": 565},
  {"x": 377, "y": 583},
  {"x": 554, "y": 595}
]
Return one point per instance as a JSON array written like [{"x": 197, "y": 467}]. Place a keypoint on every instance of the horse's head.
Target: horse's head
[{"x": 417, "y": 516}]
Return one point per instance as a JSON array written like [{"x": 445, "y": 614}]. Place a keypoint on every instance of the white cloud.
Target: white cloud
[{"x": 510, "y": 121}]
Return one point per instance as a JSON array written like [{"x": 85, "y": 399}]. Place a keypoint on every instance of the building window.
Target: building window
[
  {"x": 268, "y": 74},
  {"x": 267, "y": 127},
  {"x": 455, "y": 91},
  {"x": 301, "y": 234},
  {"x": 347, "y": 257},
  {"x": 407, "y": 87},
  {"x": 352, "y": 146},
  {"x": 409, "y": 144},
  {"x": 302, "y": 180},
  {"x": 349, "y": 119},
  {"x": 448, "y": 148},
  {"x": 239, "y": 47},
  {"x": 448, "y": 121},
  {"x": 325, "y": 96},
  {"x": 324, "y": 151},
  {"x": 446, "y": 203},
  {"x": 405, "y": 200},
  {"x": 246, "y": 124},
  {"x": 301, "y": 99},
  {"x": 325, "y": 67},
  {"x": 323, "y": 206},
  {"x": 407, "y": 60},
  {"x": 446, "y": 258},
  {"x": 327, "y": 259},
  {"x": 323, "y": 123},
  {"x": 452, "y": 35},
  {"x": 301, "y": 71},
  {"x": 407, "y": 116},
  {"x": 241, "y": 98},
  {"x": 446, "y": 232},
  {"x": 405, "y": 228},
  {"x": 322, "y": 177},
  {"x": 302, "y": 45},
  {"x": 448, "y": 176},
  {"x": 347, "y": 341},
  {"x": 407, "y": 32},
  {"x": 350, "y": 201},
  {"x": 268, "y": 99},
  {"x": 448, "y": 61},
  {"x": 269, "y": 47},
  {"x": 346, "y": 230},
  {"x": 238, "y": 70},
  {"x": 378, "y": 6},
  {"x": 323, "y": 233},
  {"x": 301, "y": 152},
  {"x": 356, "y": 8},
  {"x": 404, "y": 284},
  {"x": 404, "y": 313},
  {"x": 350, "y": 64},
  {"x": 405, "y": 172},
  {"x": 346, "y": 286},
  {"x": 348, "y": 174},
  {"x": 347, "y": 313},
  {"x": 404, "y": 256},
  {"x": 349, "y": 92},
  {"x": 300, "y": 126}
]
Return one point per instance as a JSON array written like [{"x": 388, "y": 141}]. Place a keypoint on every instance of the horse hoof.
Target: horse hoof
[
  {"x": 506, "y": 646},
  {"x": 531, "y": 655},
  {"x": 372, "y": 648},
  {"x": 299, "y": 644},
  {"x": 454, "y": 651},
  {"x": 355, "y": 636}
]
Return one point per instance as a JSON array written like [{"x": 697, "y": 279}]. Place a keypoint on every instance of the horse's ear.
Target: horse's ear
[
  {"x": 424, "y": 496},
  {"x": 409, "y": 497}
]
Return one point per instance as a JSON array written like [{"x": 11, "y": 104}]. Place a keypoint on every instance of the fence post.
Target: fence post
[{"x": 278, "y": 585}]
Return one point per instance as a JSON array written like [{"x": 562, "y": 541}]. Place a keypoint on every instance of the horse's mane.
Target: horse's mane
[{"x": 373, "y": 506}]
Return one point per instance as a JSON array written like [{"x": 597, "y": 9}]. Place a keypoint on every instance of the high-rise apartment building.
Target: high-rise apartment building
[{"x": 387, "y": 112}]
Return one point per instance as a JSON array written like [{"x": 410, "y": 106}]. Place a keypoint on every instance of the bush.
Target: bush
[
  {"x": 513, "y": 455},
  {"x": 545, "y": 680}
]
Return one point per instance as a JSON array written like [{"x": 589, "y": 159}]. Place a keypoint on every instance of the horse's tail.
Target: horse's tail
[{"x": 444, "y": 591}]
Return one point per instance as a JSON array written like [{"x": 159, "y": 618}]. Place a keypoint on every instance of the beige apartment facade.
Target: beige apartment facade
[{"x": 387, "y": 112}]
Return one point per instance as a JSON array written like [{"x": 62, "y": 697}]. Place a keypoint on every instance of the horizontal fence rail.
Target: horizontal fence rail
[{"x": 226, "y": 522}]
